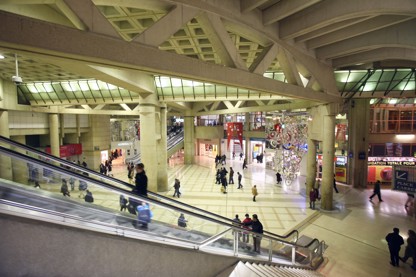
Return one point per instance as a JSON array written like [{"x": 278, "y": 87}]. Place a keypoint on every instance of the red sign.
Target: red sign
[
  {"x": 234, "y": 130},
  {"x": 341, "y": 132},
  {"x": 67, "y": 150}
]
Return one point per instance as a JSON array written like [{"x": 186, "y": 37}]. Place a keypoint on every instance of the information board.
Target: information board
[{"x": 404, "y": 178}]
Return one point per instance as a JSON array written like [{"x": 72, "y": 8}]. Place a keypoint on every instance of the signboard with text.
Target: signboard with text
[{"x": 404, "y": 179}]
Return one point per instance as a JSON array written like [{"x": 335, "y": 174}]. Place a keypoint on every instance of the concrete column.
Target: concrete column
[
  {"x": 54, "y": 133},
  {"x": 247, "y": 154},
  {"x": 162, "y": 154},
  {"x": 358, "y": 126},
  {"x": 62, "y": 128},
  {"x": 189, "y": 138},
  {"x": 78, "y": 124},
  {"x": 328, "y": 147},
  {"x": 5, "y": 161},
  {"x": 311, "y": 165},
  {"x": 148, "y": 139}
]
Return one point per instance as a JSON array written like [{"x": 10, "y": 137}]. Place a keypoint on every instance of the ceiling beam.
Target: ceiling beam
[
  {"x": 264, "y": 60},
  {"x": 228, "y": 104},
  {"x": 20, "y": 34},
  {"x": 391, "y": 53},
  {"x": 221, "y": 40},
  {"x": 179, "y": 105},
  {"x": 125, "y": 107},
  {"x": 288, "y": 65},
  {"x": 277, "y": 107},
  {"x": 399, "y": 35},
  {"x": 91, "y": 17},
  {"x": 166, "y": 26},
  {"x": 329, "y": 12},
  {"x": 284, "y": 8},
  {"x": 152, "y": 5},
  {"x": 367, "y": 26},
  {"x": 249, "y": 5}
]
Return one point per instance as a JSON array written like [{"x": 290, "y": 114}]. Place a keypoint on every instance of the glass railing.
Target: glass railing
[
  {"x": 291, "y": 236},
  {"x": 52, "y": 192}
]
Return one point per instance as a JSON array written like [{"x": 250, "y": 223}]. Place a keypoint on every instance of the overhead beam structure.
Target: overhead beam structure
[
  {"x": 249, "y": 5},
  {"x": 21, "y": 34},
  {"x": 284, "y": 8}
]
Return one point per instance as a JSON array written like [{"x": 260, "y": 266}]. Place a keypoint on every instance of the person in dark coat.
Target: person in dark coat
[
  {"x": 335, "y": 185},
  {"x": 376, "y": 191},
  {"x": 231, "y": 179},
  {"x": 278, "y": 178},
  {"x": 64, "y": 188},
  {"x": 218, "y": 177},
  {"x": 244, "y": 164},
  {"x": 394, "y": 241},
  {"x": 312, "y": 198},
  {"x": 177, "y": 186},
  {"x": 410, "y": 251},
  {"x": 239, "y": 180},
  {"x": 256, "y": 227},
  {"x": 141, "y": 180}
]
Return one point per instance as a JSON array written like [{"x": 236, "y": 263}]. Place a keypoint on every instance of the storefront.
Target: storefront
[
  {"x": 340, "y": 165},
  {"x": 381, "y": 168},
  {"x": 208, "y": 148}
]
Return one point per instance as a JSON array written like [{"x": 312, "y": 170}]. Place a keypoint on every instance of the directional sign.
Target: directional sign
[
  {"x": 405, "y": 186},
  {"x": 401, "y": 175}
]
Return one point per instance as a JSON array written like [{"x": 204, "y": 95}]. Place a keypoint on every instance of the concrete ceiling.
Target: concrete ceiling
[{"x": 230, "y": 44}]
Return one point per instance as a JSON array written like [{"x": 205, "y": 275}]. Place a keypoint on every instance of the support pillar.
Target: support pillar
[
  {"x": 62, "y": 129},
  {"x": 162, "y": 154},
  {"x": 78, "y": 124},
  {"x": 247, "y": 154},
  {"x": 5, "y": 162},
  {"x": 311, "y": 166},
  {"x": 189, "y": 138},
  {"x": 328, "y": 147},
  {"x": 148, "y": 139},
  {"x": 358, "y": 126},
  {"x": 54, "y": 134}
]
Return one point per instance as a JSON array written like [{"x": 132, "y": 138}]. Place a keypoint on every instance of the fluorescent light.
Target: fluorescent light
[
  {"x": 393, "y": 101},
  {"x": 372, "y": 101},
  {"x": 2, "y": 57},
  {"x": 405, "y": 137}
]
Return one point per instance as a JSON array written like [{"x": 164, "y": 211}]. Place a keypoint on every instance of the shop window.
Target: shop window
[{"x": 379, "y": 150}]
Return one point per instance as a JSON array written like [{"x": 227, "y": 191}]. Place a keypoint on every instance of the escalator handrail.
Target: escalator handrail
[
  {"x": 105, "y": 177},
  {"x": 88, "y": 179}
]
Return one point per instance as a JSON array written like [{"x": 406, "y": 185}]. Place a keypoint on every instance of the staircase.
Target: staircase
[{"x": 264, "y": 270}]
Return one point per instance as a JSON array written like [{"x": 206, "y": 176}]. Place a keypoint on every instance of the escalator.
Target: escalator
[
  {"x": 174, "y": 144},
  {"x": 205, "y": 232}
]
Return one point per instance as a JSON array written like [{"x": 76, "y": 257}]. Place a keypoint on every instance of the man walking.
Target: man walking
[
  {"x": 376, "y": 191},
  {"x": 335, "y": 185},
  {"x": 254, "y": 192},
  {"x": 231, "y": 179},
  {"x": 239, "y": 180},
  {"x": 177, "y": 186},
  {"x": 395, "y": 241},
  {"x": 256, "y": 227}
]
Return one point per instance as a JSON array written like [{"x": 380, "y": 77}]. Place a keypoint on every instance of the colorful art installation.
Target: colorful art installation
[{"x": 288, "y": 136}]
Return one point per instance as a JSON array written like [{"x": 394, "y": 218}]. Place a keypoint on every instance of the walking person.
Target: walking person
[
  {"x": 240, "y": 177},
  {"x": 244, "y": 164},
  {"x": 241, "y": 156},
  {"x": 312, "y": 198},
  {"x": 410, "y": 251},
  {"x": 394, "y": 241},
  {"x": 335, "y": 185},
  {"x": 231, "y": 179},
  {"x": 254, "y": 192},
  {"x": 377, "y": 191},
  {"x": 218, "y": 177},
  {"x": 278, "y": 178},
  {"x": 177, "y": 186},
  {"x": 141, "y": 180},
  {"x": 246, "y": 225},
  {"x": 256, "y": 227}
]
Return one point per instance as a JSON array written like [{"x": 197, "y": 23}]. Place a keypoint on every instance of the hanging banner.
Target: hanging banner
[
  {"x": 341, "y": 132},
  {"x": 234, "y": 131}
]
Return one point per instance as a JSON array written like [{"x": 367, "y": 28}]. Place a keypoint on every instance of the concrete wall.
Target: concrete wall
[
  {"x": 209, "y": 132},
  {"x": 31, "y": 248}
]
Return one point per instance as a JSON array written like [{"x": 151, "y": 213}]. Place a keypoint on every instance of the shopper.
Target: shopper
[
  {"x": 278, "y": 178},
  {"x": 88, "y": 197},
  {"x": 237, "y": 223},
  {"x": 376, "y": 191},
  {"x": 144, "y": 215},
  {"x": 246, "y": 225},
  {"x": 141, "y": 180},
  {"x": 312, "y": 198},
  {"x": 72, "y": 183},
  {"x": 231, "y": 179},
  {"x": 177, "y": 186},
  {"x": 241, "y": 156},
  {"x": 254, "y": 192},
  {"x": 218, "y": 177},
  {"x": 394, "y": 241},
  {"x": 410, "y": 251},
  {"x": 240, "y": 177},
  {"x": 244, "y": 164},
  {"x": 123, "y": 203},
  {"x": 64, "y": 188},
  {"x": 335, "y": 185},
  {"x": 182, "y": 221},
  {"x": 256, "y": 227}
]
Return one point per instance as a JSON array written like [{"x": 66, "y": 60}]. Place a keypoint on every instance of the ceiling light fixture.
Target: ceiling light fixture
[{"x": 2, "y": 57}]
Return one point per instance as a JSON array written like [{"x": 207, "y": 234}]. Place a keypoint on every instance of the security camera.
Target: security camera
[{"x": 17, "y": 80}]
